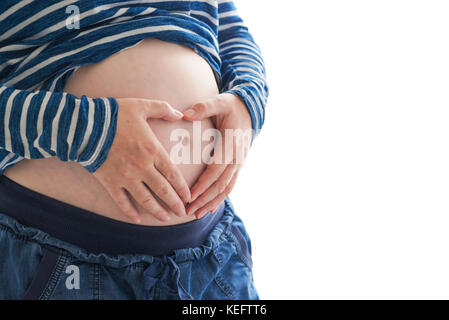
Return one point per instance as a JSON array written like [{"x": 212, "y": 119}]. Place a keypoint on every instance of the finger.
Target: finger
[
  {"x": 206, "y": 109},
  {"x": 207, "y": 178},
  {"x": 171, "y": 172},
  {"x": 164, "y": 191},
  {"x": 161, "y": 110},
  {"x": 215, "y": 168},
  {"x": 124, "y": 203},
  {"x": 241, "y": 145},
  {"x": 212, "y": 205},
  {"x": 215, "y": 189},
  {"x": 143, "y": 196}
]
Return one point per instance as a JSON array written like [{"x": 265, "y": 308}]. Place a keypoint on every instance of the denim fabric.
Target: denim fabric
[{"x": 35, "y": 265}]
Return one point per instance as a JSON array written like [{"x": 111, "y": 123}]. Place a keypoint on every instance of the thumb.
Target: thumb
[
  {"x": 205, "y": 109},
  {"x": 161, "y": 110}
]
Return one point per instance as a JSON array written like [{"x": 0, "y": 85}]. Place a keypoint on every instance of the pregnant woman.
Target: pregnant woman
[{"x": 92, "y": 203}]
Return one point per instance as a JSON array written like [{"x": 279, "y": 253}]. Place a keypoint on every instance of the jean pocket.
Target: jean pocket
[
  {"x": 243, "y": 246},
  {"x": 46, "y": 277}
]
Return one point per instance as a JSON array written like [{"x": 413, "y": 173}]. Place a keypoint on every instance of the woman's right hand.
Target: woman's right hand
[{"x": 136, "y": 160}]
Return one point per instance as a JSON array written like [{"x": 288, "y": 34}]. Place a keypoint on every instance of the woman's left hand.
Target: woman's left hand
[{"x": 232, "y": 119}]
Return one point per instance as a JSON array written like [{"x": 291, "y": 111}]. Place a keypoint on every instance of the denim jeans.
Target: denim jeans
[{"x": 36, "y": 265}]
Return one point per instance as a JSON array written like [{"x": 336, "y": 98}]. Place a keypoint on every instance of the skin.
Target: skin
[
  {"x": 127, "y": 163},
  {"x": 132, "y": 163},
  {"x": 218, "y": 180},
  {"x": 138, "y": 183}
]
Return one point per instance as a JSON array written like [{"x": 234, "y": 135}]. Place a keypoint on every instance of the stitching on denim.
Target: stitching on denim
[
  {"x": 15, "y": 235},
  {"x": 55, "y": 277},
  {"x": 156, "y": 293},
  {"x": 221, "y": 283},
  {"x": 96, "y": 282},
  {"x": 215, "y": 251},
  {"x": 246, "y": 260},
  {"x": 217, "y": 256}
]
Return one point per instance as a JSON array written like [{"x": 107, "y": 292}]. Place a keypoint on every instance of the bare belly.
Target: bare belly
[{"x": 153, "y": 69}]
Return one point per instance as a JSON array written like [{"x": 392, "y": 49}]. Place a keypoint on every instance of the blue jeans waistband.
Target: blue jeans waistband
[{"x": 96, "y": 233}]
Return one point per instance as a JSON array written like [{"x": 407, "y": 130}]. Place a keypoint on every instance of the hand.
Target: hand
[
  {"x": 231, "y": 115},
  {"x": 137, "y": 163}
]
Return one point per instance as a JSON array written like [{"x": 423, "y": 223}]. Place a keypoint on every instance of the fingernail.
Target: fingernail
[
  {"x": 178, "y": 113},
  {"x": 189, "y": 113},
  {"x": 199, "y": 215}
]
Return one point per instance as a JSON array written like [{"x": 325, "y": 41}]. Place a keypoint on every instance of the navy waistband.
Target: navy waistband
[{"x": 96, "y": 233}]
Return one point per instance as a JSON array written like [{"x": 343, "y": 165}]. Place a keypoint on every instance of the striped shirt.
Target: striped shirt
[{"x": 42, "y": 42}]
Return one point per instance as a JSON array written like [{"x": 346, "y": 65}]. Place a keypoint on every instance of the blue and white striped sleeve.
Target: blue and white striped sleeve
[
  {"x": 243, "y": 68},
  {"x": 43, "y": 124}
]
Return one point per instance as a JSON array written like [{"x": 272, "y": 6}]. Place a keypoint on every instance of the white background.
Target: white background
[{"x": 345, "y": 193}]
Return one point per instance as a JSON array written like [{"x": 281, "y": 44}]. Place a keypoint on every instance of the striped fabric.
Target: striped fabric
[{"x": 42, "y": 44}]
